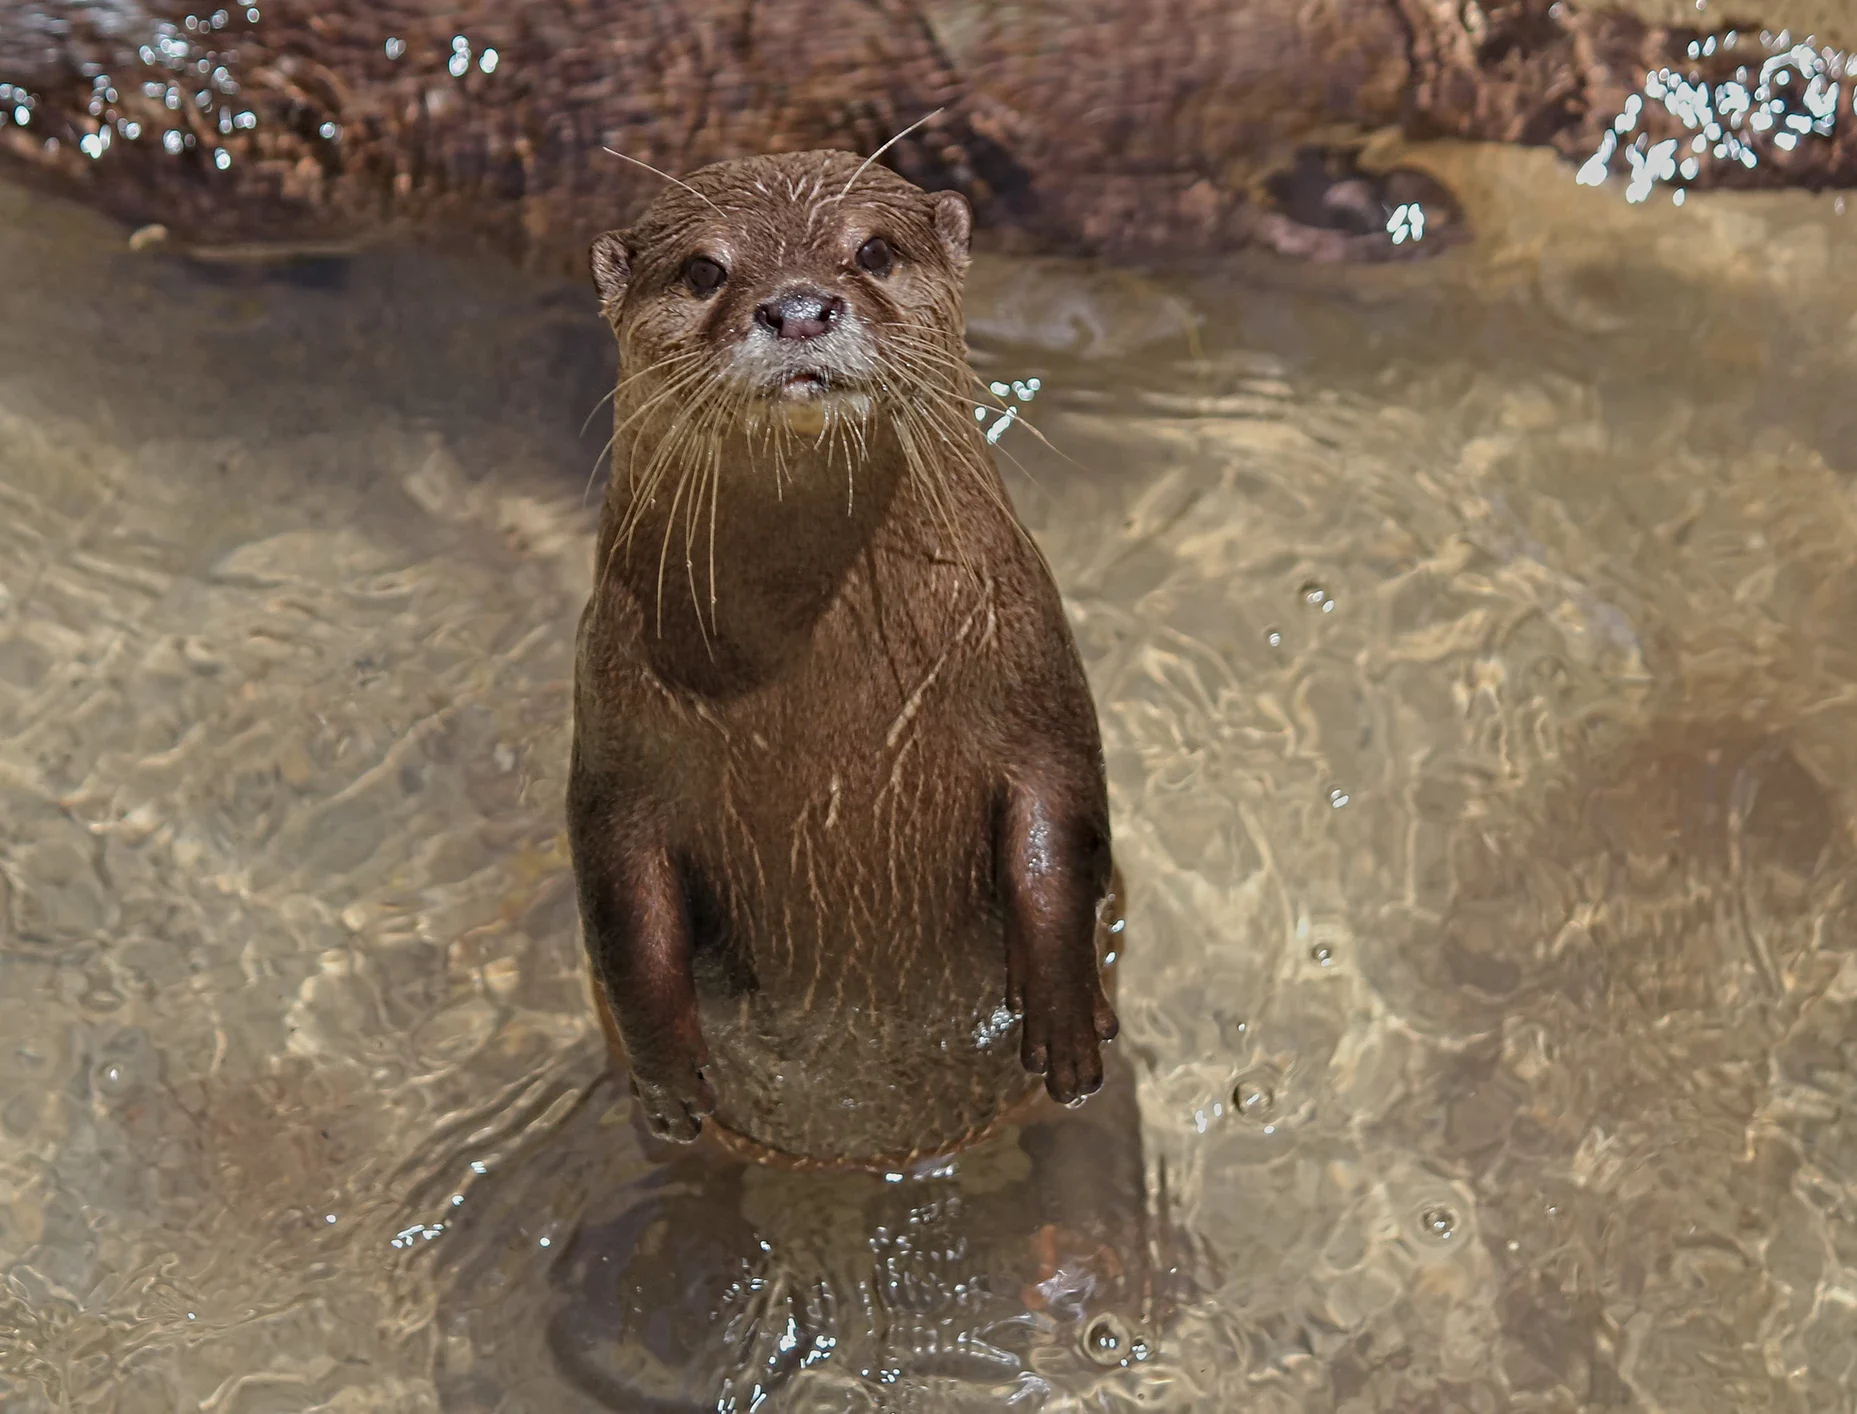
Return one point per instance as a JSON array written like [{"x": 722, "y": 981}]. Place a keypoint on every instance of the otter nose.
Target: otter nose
[{"x": 799, "y": 314}]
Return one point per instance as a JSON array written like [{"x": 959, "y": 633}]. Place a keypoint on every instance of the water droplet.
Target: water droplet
[
  {"x": 1107, "y": 1341},
  {"x": 546, "y": 1241},
  {"x": 1322, "y": 955},
  {"x": 1438, "y": 1222},
  {"x": 1252, "y": 1098},
  {"x": 1337, "y": 797},
  {"x": 1314, "y": 595},
  {"x": 1274, "y": 637}
]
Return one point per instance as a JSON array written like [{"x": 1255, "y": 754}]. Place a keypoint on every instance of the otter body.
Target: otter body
[{"x": 837, "y": 805}]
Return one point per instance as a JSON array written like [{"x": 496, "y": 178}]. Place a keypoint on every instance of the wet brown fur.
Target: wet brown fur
[{"x": 837, "y": 790}]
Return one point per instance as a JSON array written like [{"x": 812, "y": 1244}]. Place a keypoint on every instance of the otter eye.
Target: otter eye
[
  {"x": 876, "y": 257},
  {"x": 703, "y": 275}
]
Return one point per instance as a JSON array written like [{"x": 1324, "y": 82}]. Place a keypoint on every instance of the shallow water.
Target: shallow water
[{"x": 1475, "y": 648}]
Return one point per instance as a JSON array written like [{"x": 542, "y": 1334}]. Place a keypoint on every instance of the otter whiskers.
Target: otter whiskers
[{"x": 887, "y": 145}]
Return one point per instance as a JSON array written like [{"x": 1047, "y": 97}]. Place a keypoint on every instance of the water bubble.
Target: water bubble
[
  {"x": 1107, "y": 1341},
  {"x": 112, "y": 1080},
  {"x": 1274, "y": 637},
  {"x": 1316, "y": 597},
  {"x": 1337, "y": 797},
  {"x": 1439, "y": 1222},
  {"x": 1253, "y": 1098}
]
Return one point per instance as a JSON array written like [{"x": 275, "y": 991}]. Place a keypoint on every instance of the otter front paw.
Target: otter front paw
[
  {"x": 1061, "y": 1038},
  {"x": 674, "y": 1106}
]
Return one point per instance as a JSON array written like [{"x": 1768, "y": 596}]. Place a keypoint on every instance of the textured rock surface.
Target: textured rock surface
[{"x": 1121, "y": 126}]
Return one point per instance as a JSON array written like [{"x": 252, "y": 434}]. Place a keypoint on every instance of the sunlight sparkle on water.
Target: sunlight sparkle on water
[{"x": 1793, "y": 96}]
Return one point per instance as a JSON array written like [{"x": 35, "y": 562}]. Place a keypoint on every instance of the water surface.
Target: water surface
[{"x": 1475, "y": 647}]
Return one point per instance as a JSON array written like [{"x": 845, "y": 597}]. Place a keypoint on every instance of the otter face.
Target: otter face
[{"x": 781, "y": 280}]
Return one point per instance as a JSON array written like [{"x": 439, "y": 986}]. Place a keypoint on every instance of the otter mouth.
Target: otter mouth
[{"x": 805, "y": 385}]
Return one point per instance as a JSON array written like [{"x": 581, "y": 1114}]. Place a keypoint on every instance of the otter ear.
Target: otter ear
[
  {"x": 612, "y": 270},
  {"x": 954, "y": 223}
]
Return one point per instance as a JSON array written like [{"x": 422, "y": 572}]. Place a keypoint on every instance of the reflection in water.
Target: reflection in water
[
  {"x": 701, "y": 1284},
  {"x": 1473, "y": 642}
]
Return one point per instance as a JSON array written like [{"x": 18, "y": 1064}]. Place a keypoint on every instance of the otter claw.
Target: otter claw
[
  {"x": 1067, "y": 1051},
  {"x": 675, "y": 1111},
  {"x": 1073, "y": 1076}
]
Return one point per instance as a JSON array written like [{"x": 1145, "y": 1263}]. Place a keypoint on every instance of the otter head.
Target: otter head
[{"x": 791, "y": 285}]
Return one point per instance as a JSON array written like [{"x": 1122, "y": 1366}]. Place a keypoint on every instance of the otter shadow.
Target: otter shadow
[{"x": 600, "y": 1279}]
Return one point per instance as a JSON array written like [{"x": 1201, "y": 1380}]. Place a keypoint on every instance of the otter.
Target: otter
[{"x": 837, "y": 806}]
